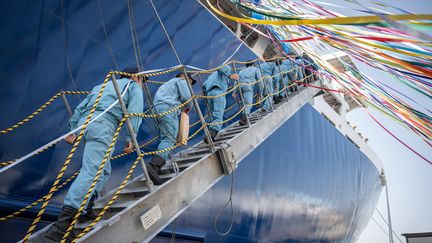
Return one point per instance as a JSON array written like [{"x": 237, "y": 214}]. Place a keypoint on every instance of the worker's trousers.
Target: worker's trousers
[
  {"x": 284, "y": 83},
  {"x": 97, "y": 139},
  {"x": 247, "y": 91},
  {"x": 217, "y": 108},
  {"x": 168, "y": 126},
  {"x": 265, "y": 89}
]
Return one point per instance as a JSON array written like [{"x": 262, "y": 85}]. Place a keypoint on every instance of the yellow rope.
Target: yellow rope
[
  {"x": 163, "y": 113},
  {"x": 141, "y": 146},
  {"x": 65, "y": 182},
  {"x": 123, "y": 184},
  {"x": 22, "y": 210},
  {"x": 35, "y": 113}
]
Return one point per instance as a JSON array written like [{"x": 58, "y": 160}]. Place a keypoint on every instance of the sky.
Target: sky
[{"x": 409, "y": 177}]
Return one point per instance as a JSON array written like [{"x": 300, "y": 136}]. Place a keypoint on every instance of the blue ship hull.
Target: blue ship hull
[{"x": 306, "y": 182}]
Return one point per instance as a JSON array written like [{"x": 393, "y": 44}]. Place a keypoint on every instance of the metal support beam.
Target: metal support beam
[
  {"x": 384, "y": 183},
  {"x": 149, "y": 183},
  {"x": 67, "y": 105},
  {"x": 242, "y": 98},
  {"x": 200, "y": 115}
]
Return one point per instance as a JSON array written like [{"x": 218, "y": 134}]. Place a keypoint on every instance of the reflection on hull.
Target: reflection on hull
[{"x": 306, "y": 182}]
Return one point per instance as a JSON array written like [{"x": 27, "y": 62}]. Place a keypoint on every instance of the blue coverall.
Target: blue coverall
[
  {"x": 217, "y": 83},
  {"x": 265, "y": 88},
  {"x": 99, "y": 134},
  {"x": 277, "y": 80},
  {"x": 170, "y": 95},
  {"x": 289, "y": 69},
  {"x": 248, "y": 75}
]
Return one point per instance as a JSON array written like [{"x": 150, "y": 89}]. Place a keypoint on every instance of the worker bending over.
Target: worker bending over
[
  {"x": 97, "y": 139},
  {"x": 217, "y": 84},
  {"x": 169, "y": 96},
  {"x": 246, "y": 76}
]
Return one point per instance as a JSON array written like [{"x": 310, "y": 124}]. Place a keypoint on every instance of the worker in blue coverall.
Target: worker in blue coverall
[
  {"x": 266, "y": 88},
  {"x": 97, "y": 139},
  {"x": 289, "y": 70},
  {"x": 169, "y": 96},
  {"x": 248, "y": 75},
  {"x": 216, "y": 84}
]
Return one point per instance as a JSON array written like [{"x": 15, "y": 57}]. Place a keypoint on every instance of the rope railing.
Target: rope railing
[
  {"x": 124, "y": 182},
  {"x": 144, "y": 115},
  {"x": 56, "y": 185},
  {"x": 43, "y": 107}
]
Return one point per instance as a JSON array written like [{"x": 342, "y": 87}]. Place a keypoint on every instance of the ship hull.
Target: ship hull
[{"x": 305, "y": 183}]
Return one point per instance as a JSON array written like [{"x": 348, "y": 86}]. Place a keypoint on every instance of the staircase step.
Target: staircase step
[
  {"x": 135, "y": 190},
  {"x": 236, "y": 128},
  {"x": 223, "y": 138},
  {"x": 167, "y": 176},
  {"x": 234, "y": 132},
  {"x": 188, "y": 158},
  {"x": 118, "y": 205},
  {"x": 84, "y": 225},
  {"x": 180, "y": 166},
  {"x": 196, "y": 151}
]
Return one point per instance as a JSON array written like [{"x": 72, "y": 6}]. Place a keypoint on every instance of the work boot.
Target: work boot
[
  {"x": 243, "y": 120},
  {"x": 90, "y": 214},
  {"x": 153, "y": 169},
  {"x": 213, "y": 134},
  {"x": 58, "y": 228}
]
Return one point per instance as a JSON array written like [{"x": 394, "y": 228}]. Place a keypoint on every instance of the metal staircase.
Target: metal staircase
[{"x": 138, "y": 215}]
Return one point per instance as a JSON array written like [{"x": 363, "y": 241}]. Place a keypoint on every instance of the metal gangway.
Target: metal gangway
[{"x": 137, "y": 211}]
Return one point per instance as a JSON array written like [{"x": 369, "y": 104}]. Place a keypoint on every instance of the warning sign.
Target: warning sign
[{"x": 151, "y": 217}]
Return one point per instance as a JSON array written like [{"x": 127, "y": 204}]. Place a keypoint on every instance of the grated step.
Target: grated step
[
  {"x": 167, "y": 176},
  {"x": 118, "y": 205},
  {"x": 180, "y": 166},
  {"x": 135, "y": 190},
  {"x": 196, "y": 151},
  {"x": 188, "y": 158},
  {"x": 84, "y": 225},
  {"x": 223, "y": 138}
]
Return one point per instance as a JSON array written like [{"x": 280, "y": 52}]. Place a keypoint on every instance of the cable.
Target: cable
[
  {"x": 65, "y": 43},
  {"x": 382, "y": 217},
  {"x": 133, "y": 34},
  {"x": 173, "y": 235},
  {"x": 106, "y": 34},
  {"x": 383, "y": 230},
  {"x": 229, "y": 202},
  {"x": 138, "y": 57}
]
